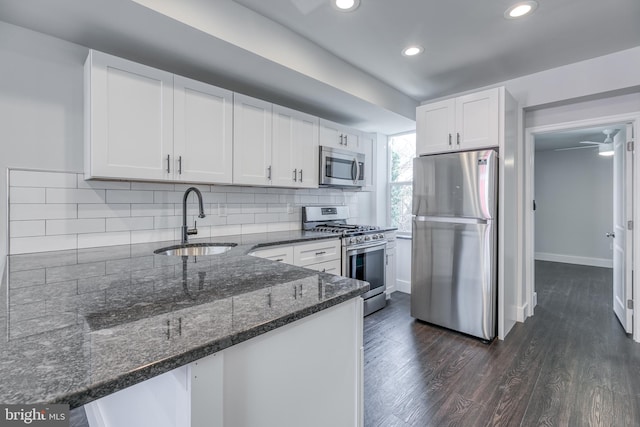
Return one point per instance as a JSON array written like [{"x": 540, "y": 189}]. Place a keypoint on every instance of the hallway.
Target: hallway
[{"x": 570, "y": 364}]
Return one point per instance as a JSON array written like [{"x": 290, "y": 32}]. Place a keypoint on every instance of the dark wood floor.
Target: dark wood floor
[{"x": 569, "y": 365}]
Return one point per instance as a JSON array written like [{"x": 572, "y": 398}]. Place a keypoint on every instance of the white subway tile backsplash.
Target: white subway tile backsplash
[
  {"x": 131, "y": 196},
  {"x": 181, "y": 188},
  {"x": 152, "y": 209},
  {"x": 27, "y": 195},
  {"x": 263, "y": 218},
  {"x": 75, "y": 195},
  {"x": 23, "y": 178},
  {"x": 59, "y": 210},
  {"x": 277, "y": 226},
  {"x": 241, "y": 219},
  {"x": 144, "y": 236},
  {"x": 240, "y": 198},
  {"x": 162, "y": 222},
  {"x": 214, "y": 197},
  {"x": 226, "y": 230},
  {"x": 42, "y": 211},
  {"x": 26, "y": 245},
  {"x": 253, "y": 228},
  {"x": 75, "y": 226},
  {"x": 27, "y": 228},
  {"x": 166, "y": 197},
  {"x": 103, "y": 210},
  {"x": 131, "y": 223},
  {"x": 103, "y": 239},
  {"x": 161, "y": 186}
]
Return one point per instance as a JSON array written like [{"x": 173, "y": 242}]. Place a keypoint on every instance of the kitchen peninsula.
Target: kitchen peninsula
[{"x": 225, "y": 339}]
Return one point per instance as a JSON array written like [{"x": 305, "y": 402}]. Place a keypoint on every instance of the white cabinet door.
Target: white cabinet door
[
  {"x": 277, "y": 253},
  {"x": 284, "y": 167},
  {"x": 252, "y": 138},
  {"x": 435, "y": 127},
  {"x": 129, "y": 119},
  {"x": 339, "y": 136},
  {"x": 305, "y": 135},
  {"x": 203, "y": 142},
  {"x": 477, "y": 120},
  {"x": 390, "y": 275},
  {"x": 313, "y": 253}
]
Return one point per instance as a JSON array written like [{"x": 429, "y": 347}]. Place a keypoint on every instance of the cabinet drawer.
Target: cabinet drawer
[
  {"x": 331, "y": 267},
  {"x": 313, "y": 253},
  {"x": 277, "y": 253}
]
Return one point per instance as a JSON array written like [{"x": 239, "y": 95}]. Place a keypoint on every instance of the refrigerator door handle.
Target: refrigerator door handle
[{"x": 451, "y": 220}]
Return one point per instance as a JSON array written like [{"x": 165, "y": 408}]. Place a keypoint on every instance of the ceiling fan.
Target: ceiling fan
[{"x": 605, "y": 148}]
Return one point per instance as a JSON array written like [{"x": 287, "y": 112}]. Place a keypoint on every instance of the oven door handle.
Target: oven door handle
[{"x": 368, "y": 247}]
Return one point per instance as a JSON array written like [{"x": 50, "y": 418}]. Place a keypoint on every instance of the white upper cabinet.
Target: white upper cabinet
[
  {"x": 295, "y": 149},
  {"x": 252, "y": 128},
  {"x": 128, "y": 119},
  {"x": 338, "y": 136},
  {"x": 465, "y": 123},
  {"x": 147, "y": 124},
  {"x": 203, "y": 129}
]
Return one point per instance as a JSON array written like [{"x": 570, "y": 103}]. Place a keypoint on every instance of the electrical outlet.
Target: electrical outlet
[
  {"x": 222, "y": 209},
  {"x": 289, "y": 208}
]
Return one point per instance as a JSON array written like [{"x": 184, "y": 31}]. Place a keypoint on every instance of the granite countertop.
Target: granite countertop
[{"x": 81, "y": 324}]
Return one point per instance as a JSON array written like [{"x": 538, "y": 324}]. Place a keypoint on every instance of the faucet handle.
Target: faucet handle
[{"x": 194, "y": 230}]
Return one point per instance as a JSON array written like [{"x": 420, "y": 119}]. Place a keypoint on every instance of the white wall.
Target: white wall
[
  {"x": 41, "y": 96},
  {"x": 574, "y": 198}
]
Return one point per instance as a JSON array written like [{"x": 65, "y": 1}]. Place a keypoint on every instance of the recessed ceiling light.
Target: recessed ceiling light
[
  {"x": 520, "y": 9},
  {"x": 412, "y": 50},
  {"x": 345, "y": 5}
]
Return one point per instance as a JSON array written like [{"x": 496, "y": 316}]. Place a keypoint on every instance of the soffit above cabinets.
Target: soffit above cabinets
[{"x": 345, "y": 67}]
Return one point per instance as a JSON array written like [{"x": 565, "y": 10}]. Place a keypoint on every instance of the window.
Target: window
[{"x": 402, "y": 150}]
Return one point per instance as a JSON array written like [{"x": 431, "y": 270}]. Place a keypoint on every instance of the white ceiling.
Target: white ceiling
[
  {"x": 573, "y": 137},
  {"x": 343, "y": 67}
]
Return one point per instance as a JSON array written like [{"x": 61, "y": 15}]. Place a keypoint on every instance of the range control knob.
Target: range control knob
[
  {"x": 359, "y": 239},
  {"x": 367, "y": 238}
]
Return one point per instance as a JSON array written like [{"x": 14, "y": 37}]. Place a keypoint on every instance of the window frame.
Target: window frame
[{"x": 391, "y": 184}]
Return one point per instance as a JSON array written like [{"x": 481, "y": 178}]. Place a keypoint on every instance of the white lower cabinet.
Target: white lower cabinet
[
  {"x": 276, "y": 253},
  {"x": 321, "y": 255},
  {"x": 296, "y": 375}
]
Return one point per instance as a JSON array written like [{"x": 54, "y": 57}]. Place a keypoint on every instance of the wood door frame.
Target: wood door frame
[{"x": 527, "y": 247}]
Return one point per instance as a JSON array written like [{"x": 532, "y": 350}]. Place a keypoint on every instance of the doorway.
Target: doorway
[{"x": 585, "y": 140}]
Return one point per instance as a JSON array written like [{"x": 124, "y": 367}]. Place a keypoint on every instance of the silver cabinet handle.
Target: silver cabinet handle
[
  {"x": 458, "y": 138},
  {"x": 449, "y": 140},
  {"x": 341, "y": 139},
  {"x": 300, "y": 175},
  {"x": 180, "y": 165},
  {"x": 321, "y": 253},
  {"x": 279, "y": 260},
  {"x": 295, "y": 175},
  {"x": 346, "y": 140},
  {"x": 269, "y": 173},
  {"x": 611, "y": 234},
  {"x": 168, "y": 163}
]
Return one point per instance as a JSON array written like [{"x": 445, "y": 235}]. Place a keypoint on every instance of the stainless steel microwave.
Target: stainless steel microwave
[{"x": 341, "y": 168}]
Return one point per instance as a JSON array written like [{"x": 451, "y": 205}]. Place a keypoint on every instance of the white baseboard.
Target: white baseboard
[
  {"x": 521, "y": 312},
  {"x": 403, "y": 286},
  {"x": 570, "y": 259}
]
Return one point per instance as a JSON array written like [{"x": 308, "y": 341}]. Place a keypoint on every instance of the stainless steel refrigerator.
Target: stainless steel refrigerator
[{"x": 453, "y": 261}]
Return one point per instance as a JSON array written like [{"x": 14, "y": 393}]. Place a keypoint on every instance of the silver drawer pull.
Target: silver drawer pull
[
  {"x": 279, "y": 259},
  {"x": 321, "y": 253}
]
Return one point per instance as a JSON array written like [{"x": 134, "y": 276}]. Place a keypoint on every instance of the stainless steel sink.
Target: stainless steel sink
[{"x": 195, "y": 249}]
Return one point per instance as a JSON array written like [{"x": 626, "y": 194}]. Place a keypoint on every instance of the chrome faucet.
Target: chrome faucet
[{"x": 186, "y": 232}]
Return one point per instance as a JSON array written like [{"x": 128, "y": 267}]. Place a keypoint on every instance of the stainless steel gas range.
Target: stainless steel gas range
[{"x": 363, "y": 249}]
